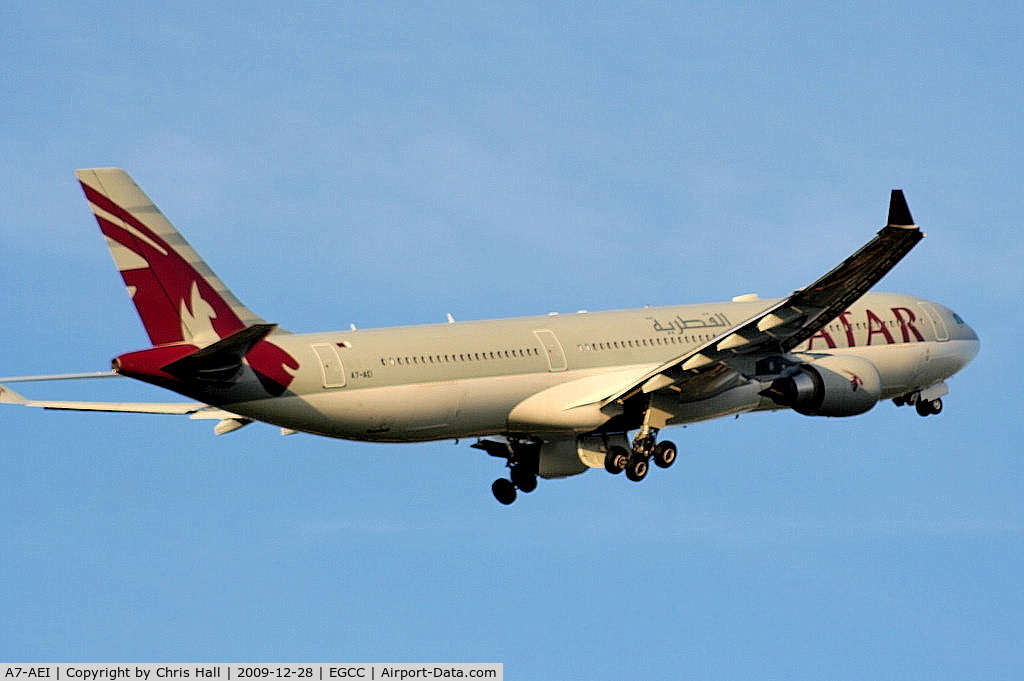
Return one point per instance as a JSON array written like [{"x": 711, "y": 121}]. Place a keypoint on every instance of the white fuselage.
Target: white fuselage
[{"x": 550, "y": 374}]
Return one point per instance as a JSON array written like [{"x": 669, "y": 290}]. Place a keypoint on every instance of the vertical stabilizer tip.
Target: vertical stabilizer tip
[{"x": 899, "y": 212}]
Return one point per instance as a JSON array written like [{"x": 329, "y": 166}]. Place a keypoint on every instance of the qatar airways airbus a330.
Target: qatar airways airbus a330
[{"x": 554, "y": 395}]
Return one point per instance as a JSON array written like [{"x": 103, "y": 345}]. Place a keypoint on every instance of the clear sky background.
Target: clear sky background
[{"x": 344, "y": 163}]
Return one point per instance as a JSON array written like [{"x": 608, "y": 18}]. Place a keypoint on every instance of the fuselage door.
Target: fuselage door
[
  {"x": 330, "y": 365},
  {"x": 552, "y": 349},
  {"x": 938, "y": 323}
]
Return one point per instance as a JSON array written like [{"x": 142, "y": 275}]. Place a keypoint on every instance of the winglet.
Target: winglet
[{"x": 899, "y": 212}]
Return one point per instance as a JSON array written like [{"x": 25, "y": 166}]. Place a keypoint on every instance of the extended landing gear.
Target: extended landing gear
[
  {"x": 504, "y": 491},
  {"x": 665, "y": 454},
  {"x": 636, "y": 469},
  {"x": 523, "y": 460},
  {"x": 921, "y": 405},
  {"x": 616, "y": 460},
  {"x": 523, "y": 477},
  {"x": 636, "y": 463}
]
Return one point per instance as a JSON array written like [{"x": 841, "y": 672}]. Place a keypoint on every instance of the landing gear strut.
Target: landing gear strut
[{"x": 637, "y": 462}]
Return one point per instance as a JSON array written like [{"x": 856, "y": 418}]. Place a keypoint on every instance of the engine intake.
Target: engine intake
[{"x": 836, "y": 385}]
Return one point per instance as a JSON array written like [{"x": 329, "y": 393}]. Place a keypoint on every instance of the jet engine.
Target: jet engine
[{"x": 837, "y": 385}]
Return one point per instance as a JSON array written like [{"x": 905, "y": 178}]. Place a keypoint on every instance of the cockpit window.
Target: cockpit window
[{"x": 958, "y": 319}]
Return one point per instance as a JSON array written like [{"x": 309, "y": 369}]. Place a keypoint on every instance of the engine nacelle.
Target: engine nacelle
[{"x": 837, "y": 385}]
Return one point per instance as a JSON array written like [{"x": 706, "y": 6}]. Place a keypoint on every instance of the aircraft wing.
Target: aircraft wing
[{"x": 785, "y": 325}]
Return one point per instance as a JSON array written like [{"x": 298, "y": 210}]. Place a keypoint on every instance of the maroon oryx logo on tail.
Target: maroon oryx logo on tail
[{"x": 176, "y": 303}]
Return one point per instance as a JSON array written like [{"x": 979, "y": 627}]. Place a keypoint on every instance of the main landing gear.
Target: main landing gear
[
  {"x": 636, "y": 463},
  {"x": 922, "y": 406},
  {"x": 523, "y": 461}
]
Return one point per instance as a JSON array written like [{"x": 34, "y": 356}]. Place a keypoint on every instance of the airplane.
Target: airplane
[{"x": 554, "y": 396}]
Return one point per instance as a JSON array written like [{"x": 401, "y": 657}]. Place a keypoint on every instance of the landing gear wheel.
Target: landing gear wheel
[
  {"x": 504, "y": 491},
  {"x": 615, "y": 460},
  {"x": 636, "y": 469},
  {"x": 665, "y": 454},
  {"x": 523, "y": 479},
  {"x": 929, "y": 407}
]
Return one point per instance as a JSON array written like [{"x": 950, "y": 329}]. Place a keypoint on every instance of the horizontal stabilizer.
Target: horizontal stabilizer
[
  {"x": 221, "y": 362},
  {"x": 195, "y": 410},
  {"x": 174, "y": 408},
  {"x": 59, "y": 377},
  {"x": 8, "y": 396}
]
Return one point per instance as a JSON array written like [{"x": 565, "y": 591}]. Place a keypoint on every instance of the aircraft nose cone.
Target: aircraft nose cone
[
  {"x": 972, "y": 344},
  {"x": 971, "y": 350},
  {"x": 965, "y": 340},
  {"x": 962, "y": 352}
]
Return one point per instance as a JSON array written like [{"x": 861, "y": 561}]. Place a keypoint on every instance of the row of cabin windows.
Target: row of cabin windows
[
  {"x": 461, "y": 357},
  {"x": 644, "y": 343},
  {"x": 836, "y": 327}
]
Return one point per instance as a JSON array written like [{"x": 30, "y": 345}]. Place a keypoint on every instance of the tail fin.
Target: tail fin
[{"x": 177, "y": 295}]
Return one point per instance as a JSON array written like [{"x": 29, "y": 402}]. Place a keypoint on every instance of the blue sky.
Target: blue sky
[{"x": 385, "y": 165}]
